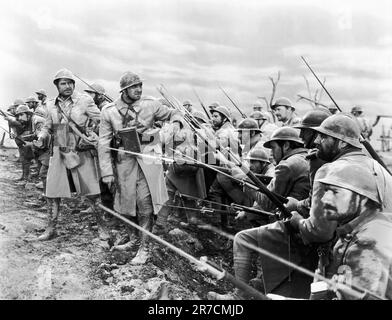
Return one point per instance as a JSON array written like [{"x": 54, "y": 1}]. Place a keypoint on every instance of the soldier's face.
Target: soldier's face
[
  {"x": 22, "y": 117},
  {"x": 339, "y": 203},
  {"x": 307, "y": 135},
  {"x": 256, "y": 166},
  {"x": 40, "y": 96},
  {"x": 217, "y": 119},
  {"x": 327, "y": 147},
  {"x": 135, "y": 92},
  {"x": 277, "y": 152},
  {"x": 282, "y": 113},
  {"x": 65, "y": 87}
]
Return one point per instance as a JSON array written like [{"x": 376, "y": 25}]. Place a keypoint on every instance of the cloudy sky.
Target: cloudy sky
[{"x": 202, "y": 44}]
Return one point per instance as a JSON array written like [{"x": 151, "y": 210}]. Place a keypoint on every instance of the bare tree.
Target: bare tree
[
  {"x": 314, "y": 100},
  {"x": 271, "y": 100}
]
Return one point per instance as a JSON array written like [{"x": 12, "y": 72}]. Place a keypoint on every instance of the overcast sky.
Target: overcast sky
[{"x": 201, "y": 44}]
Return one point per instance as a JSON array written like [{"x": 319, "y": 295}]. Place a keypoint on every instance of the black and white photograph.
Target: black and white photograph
[{"x": 210, "y": 152}]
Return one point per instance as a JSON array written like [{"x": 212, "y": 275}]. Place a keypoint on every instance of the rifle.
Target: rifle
[
  {"x": 109, "y": 99},
  {"x": 365, "y": 143},
  {"x": 13, "y": 136},
  {"x": 239, "y": 110},
  {"x": 202, "y": 105},
  {"x": 203, "y": 264}
]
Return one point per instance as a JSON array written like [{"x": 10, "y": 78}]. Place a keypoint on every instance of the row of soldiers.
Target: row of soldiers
[{"x": 112, "y": 152}]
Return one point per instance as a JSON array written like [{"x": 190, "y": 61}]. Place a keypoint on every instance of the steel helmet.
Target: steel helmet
[
  {"x": 186, "y": 102},
  {"x": 22, "y": 109},
  {"x": 258, "y": 154},
  {"x": 31, "y": 99},
  {"x": 257, "y": 106},
  {"x": 18, "y": 102},
  {"x": 282, "y": 102},
  {"x": 284, "y": 134},
  {"x": 357, "y": 109},
  {"x": 96, "y": 88},
  {"x": 214, "y": 105},
  {"x": 332, "y": 106},
  {"x": 223, "y": 111},
  {"x": 11, "y": 107},
  {"x": 41, "y": 91},
  {"x": 63, "y": 74},
  {"x": 248, "y": 124},
  {"x": 200, "y": 116},
  {"x": 313, "y": 118},
  {"x": 129, "y": 79},
  {"x": 341, "y": 126},
  {"x": 258, "y": 115},
  {"x": 352, "y": 176}
]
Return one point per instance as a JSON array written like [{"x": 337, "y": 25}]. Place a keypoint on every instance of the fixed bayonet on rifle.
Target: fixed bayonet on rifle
[
  {"x": 109, "y": 99},
  {"x": 202, "y": 105},
  {"x": 239, "y": 110},
  {"x": 365, "y": 143}
]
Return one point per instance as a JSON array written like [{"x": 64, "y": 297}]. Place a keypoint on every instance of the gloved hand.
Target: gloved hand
[{"x": 109, "y": 180}]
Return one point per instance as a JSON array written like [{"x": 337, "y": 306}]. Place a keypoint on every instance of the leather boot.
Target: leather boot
[
  {"x": 53, "y": 211},
  {"x": 131, "y": 245},
  {"x": 160, "y": 226},
  {"x": 143, "y": 254}
]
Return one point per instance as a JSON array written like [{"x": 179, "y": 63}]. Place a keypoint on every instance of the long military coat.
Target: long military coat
[
  {"x": 85, "y": 176},
  {"x": 125, "y": 166}
]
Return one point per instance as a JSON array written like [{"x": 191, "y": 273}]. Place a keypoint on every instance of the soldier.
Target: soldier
[
  {"x": 72, "y": 167},
  {"x": 42, "y": 96},
  {"x": 284, "y": 111},
  {"x": 311, "y": 119},
  {"x": 32, "y": 103},
  {"x": 213, "y": 106},
  {"x": 291, "y": 171},
  {"x": 257, "y": 106},
  {"x": 187, "y": 104},
  {"x": 97, "y": 93},
  {"x": 332, "y": 108},
  {"x": 141, "y": 188},
  {"x": 265, "y": 124},
  {"x": 362, "y": 254},
  {"x": 339, "y": 145},
  {"x": 26, "y": 126},
  {"x": 226, "y": 138},
  {"x": 364, "y": 125}
]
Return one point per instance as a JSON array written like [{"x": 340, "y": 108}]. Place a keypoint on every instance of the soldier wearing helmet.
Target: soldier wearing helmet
[
  {"x": 332, "y": 108},
  {"x": 32, "y": 103},
  {"x": 284, "y": 111},
  {"x": 292, "y": 169},
  {"x": 363, "y": 248},
  {"x": 72, "y": 167},
  {"x": 139, "y": 180},
  {"x": 265, "y": 123},
  {"x": 97, "y": 93},
  {"x": 311, "y": 119},
  {"x": 363, "y": 123},
  {"x": 187, "y": 104},
  {"x": 27, "y": 126},
  {"x": 213, "y": 105}
]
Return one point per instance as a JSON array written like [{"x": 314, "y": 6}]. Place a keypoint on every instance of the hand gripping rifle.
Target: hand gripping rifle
[
  {"x": 365, "y": 143},
  {"x": 239, "y": 110},
  {"x": 13, "y": 136}
]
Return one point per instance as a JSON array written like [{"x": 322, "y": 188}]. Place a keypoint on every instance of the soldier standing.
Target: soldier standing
[
  {"x": 72, "y": 167},
  {"x": 97, "y": 92},
  {"x": 140, "y": 183},
  {"x": 284, "y": 111}
]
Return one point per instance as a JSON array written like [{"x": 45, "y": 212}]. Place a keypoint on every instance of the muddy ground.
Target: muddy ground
[{"x": 75, "y": 266}]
